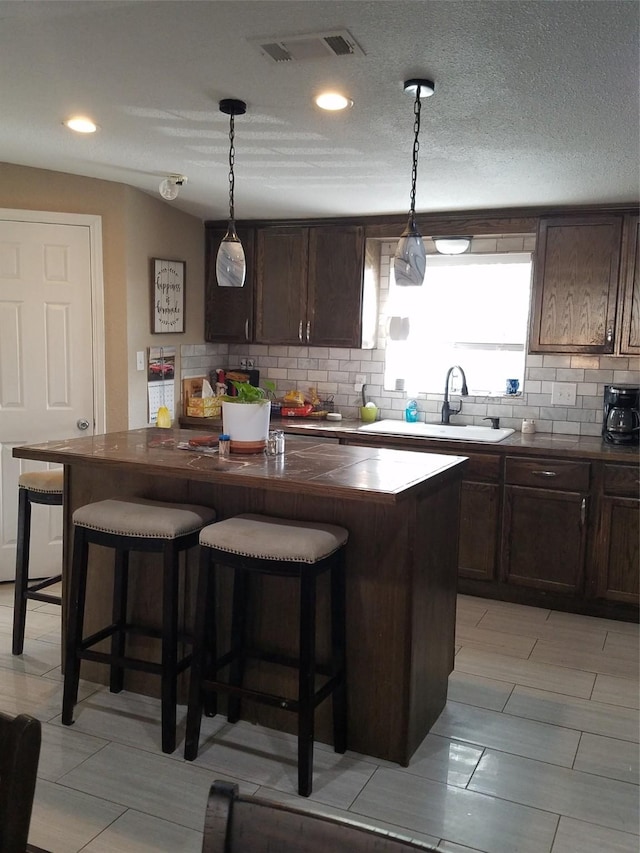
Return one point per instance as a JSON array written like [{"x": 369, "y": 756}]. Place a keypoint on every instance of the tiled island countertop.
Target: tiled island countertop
[{"x": 402, "y": 513}]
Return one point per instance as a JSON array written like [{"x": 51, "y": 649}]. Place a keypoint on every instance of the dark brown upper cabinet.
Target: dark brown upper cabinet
[
  {"x": 629, "y": 337},
  {"x": 228, "y": 311},
  {"x": 575, "y": 284},
  {"x": 309, "y": 285}
]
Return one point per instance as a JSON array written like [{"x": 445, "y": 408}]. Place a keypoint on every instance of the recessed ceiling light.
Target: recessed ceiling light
[
  {"x": 81, "y": 124},
  {"x": 333, "y": 101}
]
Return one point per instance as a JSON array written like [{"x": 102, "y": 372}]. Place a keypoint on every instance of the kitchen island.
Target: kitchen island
[{"x": 402, "y": 512}]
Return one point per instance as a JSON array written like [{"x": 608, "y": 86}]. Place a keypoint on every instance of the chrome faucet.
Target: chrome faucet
[{"x": 447, "y": 411}]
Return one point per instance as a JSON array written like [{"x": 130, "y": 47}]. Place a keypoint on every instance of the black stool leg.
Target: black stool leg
[
  {"x": 338, "y": 642},
  {"x": 202, "y": 655},
  {"x": 238, "y": 642},
  {"x": 119, "y": 617},
  {"x": 210, "y": 640},
  {"x": 169, "y": 677},
  {"x": 22, "y": 571},
  {"x": 75, "y": 620},
  {"x": 306, "y": 681}
]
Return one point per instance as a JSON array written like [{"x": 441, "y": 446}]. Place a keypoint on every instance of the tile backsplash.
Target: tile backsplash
[{"x": 333, "y": 372}]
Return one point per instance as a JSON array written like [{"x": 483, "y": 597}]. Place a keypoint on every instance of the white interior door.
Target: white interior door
[{"x": 47, "y": 361}]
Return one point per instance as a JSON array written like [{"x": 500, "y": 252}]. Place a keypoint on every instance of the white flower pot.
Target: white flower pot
[{"x": 247, "y": 424}]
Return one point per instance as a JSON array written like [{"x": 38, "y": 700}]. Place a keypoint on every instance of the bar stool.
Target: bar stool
[
  {"x": 272, "y": 546},
  {"x": 133, "y": 524},
  {"x": 34, "y": 487}
]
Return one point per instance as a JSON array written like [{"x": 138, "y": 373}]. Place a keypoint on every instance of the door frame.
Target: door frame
[{"x": 94, "y": 224}]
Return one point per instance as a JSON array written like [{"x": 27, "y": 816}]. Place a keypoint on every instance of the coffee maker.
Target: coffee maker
[{"x": 621, "y": 418}]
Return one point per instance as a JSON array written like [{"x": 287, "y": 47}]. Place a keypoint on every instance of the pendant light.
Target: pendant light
[
  {"x": 410, "y": 257},
  {"x": 231, "y": 265}
]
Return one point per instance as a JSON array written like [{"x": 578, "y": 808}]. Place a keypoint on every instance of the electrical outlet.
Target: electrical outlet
[
  {"x": 251, "y": 363},
  {"x": 140, "y": 360},
  {"x": 359, "y": 381},
  {"x": 563, "y": 393}
]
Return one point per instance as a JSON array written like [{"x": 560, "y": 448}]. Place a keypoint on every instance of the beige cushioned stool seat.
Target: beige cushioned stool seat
[
  {"x": 267, "y": 538},
  {"x": 42, "y": 481},
  {"x": 143, "y": 518}
]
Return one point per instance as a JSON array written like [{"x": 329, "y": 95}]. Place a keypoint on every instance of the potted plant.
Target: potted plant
[{"x": 245, "y": 417}]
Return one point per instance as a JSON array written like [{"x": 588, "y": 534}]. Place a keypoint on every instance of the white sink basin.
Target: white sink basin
[{"x": 444, "y": 431}]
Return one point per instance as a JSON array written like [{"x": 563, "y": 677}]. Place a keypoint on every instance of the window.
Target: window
[{"x": 472, "y": 310}]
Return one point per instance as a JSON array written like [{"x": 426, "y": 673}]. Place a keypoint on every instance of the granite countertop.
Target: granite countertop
[
  {"x": 538, "y": 444},
  {"x": 308, "y": 466}
]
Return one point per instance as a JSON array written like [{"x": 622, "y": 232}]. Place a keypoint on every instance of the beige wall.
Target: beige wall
[
  {"x": 135, "y": 228},
  {"x": 155, "y": 229}
]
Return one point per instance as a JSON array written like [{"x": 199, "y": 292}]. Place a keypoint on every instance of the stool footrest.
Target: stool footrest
[
  {"x": 130, "y": 663},
  {"x": 283, "y": 702},
  {"x": 137, "y": 630},
  {"x": 47, "y": 597},
  {"x": 269, "y": 657},
  {"x": 43, "y": 584}
]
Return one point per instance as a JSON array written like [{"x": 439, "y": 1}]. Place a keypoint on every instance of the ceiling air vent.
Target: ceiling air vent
[{"x": 312, "y": 46}]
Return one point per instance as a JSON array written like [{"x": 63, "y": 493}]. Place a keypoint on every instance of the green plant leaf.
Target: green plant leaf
[{"x": 248, "y": 393}]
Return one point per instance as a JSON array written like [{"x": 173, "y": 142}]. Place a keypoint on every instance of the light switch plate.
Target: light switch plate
[
  {"x": 140, "y": 360},
  {"x": 563, "y": 393},
  {"x": 359, "y": 381}
]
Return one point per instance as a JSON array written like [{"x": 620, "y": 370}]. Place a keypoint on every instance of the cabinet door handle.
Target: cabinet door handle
[
  {"x": 300, "y": 331},
  {"x": 545, "y": 473},
  {"x": 308, "y": 330},
  {"x": 583, "y": 512},
  {"x": 609, "y": 335},
  {"x": 246, "y": 329}
]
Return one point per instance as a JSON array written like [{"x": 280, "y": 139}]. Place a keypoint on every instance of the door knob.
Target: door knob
[{"x": 82, "y": 423}]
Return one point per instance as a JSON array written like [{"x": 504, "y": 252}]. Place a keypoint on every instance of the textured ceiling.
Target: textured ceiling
[{"x": 536, "y": 102}]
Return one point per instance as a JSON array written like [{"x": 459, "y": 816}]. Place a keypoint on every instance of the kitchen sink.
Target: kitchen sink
[{"x": 442, "y": 431}]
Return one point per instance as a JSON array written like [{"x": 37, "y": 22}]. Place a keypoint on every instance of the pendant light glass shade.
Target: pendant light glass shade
[
  {"x": 231, "y": 264},
  {"x": 410, "y": 259}
]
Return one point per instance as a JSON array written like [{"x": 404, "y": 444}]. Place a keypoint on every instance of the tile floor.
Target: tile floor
[{"x": 536, "y": 751}]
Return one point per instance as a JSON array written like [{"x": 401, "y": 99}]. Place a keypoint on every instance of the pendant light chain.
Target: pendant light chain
[
  {"x": 232, "y": 158},
  {"x": 416, "y": 147}
]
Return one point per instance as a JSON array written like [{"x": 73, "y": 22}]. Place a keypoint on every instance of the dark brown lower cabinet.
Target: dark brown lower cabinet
[
  {"x": 478, "y": 548},
  {"x": 479, "y": 515},
  {"x": 544, "y": 538},
  {"x": 544, "y": 524},
  {"x": 618, "y": 537}
]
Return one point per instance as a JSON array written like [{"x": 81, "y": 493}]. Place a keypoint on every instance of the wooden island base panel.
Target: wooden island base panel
[{"x": 402, "y": 512}]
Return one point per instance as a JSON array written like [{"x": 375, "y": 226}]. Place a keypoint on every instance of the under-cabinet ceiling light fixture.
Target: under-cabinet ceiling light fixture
[
  {"x": 81, "y": 124},
  {"x": 333, "y": 101},
  {"x": 452, "y": 245},
  {"x": 231, "y": 265},
  {"x": 170, "y": 186},
  {"x": 410, "y": 257}
]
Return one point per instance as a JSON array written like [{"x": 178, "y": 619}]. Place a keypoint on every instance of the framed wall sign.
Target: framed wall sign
[{"x": 167, "y": 296}]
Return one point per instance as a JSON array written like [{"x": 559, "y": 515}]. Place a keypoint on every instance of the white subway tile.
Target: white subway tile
[
  {"x": 285, "y": 361},
  {"x": 598, "y": 376},
  {"x": 629, "y": 376},
  {"x": 548, "y": 373},
  {"x": 591, "y": 362},
  {"x": 566, "y": 428},
  {"x": 569, "y": 374},
  {"x": 587, "y": 388},
  {"x": 534, "y": 360},
  {"x": 557, "y": 360},
  {"x": 590, "y": 429}
]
